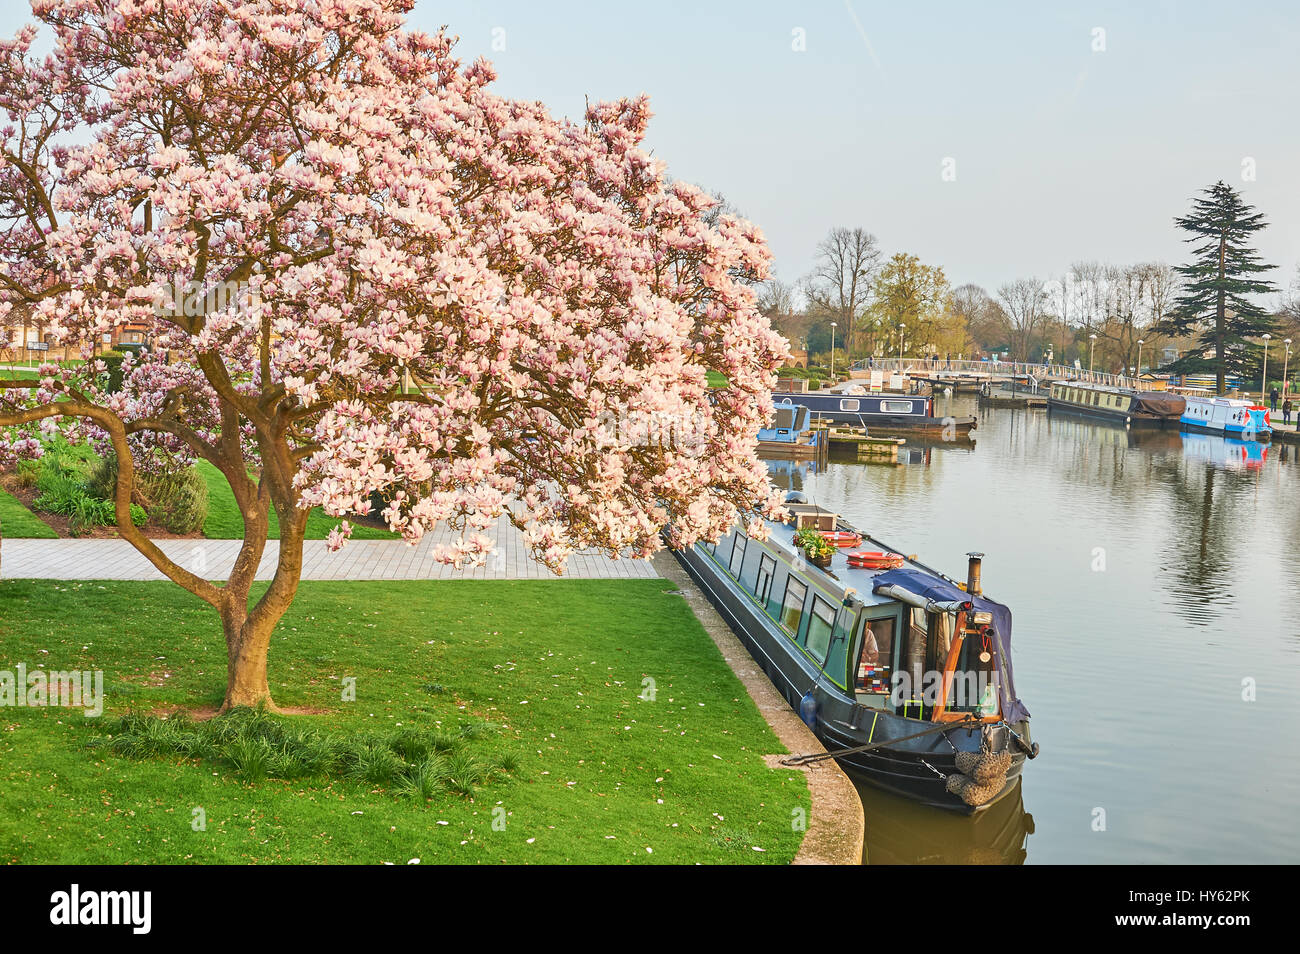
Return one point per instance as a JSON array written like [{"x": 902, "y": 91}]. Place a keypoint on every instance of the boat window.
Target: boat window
[
  {"x": 792, "y": 605},
  {"x": 897, "y": 407},
  {"x": 875, "y": 663},
  {"x": 766, "y": 570},
  {"x": 737, "y": 555},
  {"x": 849, "y": 404},
  {"x": 939, "y": 631},
  {"x": 820, "y": 625}
]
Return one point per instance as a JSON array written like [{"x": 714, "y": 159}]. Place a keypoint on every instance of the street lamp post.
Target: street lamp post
[
  {"x": 1263, "y": 374},
  {"x": 833, "y": 327},
  {"x": 1092, "y": 345},
  {"x": 901, "y": 327},
  {"x": 1286, "y": 363},
  {"x": 1138, "y": 371}
]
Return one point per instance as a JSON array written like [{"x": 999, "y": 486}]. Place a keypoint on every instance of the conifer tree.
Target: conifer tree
[{"x": 1215, "y": 304}]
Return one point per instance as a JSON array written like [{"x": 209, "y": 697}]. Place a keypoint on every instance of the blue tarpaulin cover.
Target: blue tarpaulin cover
[{"x": 941, "y": 591}]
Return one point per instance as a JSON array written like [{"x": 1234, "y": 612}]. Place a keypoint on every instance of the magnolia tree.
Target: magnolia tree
[{"x": 364, "y": 273}]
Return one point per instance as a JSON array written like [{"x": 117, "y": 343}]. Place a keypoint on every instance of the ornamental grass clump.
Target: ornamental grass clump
[{"x": 254, "y": 745}]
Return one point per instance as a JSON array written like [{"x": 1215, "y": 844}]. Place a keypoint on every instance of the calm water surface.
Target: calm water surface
[{"x": 1150, "y": 574}]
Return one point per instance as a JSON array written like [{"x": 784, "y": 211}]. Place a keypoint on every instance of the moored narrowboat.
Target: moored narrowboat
[
  {"x": 879, "y": 413},
  {"x": 903, "y": 673},
  {"x": 791, "y": 434},
  {"x": 1121, "y": 405}
]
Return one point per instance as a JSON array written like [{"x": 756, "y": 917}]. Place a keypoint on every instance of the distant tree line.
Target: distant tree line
[{"x": 1201, "y": 317}]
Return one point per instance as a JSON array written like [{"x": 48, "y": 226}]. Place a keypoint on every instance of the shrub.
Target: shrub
[
  {"x": 27, "y": 472},
  {"x": 64, "y": 493},
  {"x": 179, "y": 501},
  {"x": 113, "y": 359}
]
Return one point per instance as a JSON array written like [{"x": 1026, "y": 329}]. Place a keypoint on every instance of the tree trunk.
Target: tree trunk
[
  {"x": 247, "y": 643},
  {"x": 248, "y": 631},
  {"x": 1220, "y": 377}
]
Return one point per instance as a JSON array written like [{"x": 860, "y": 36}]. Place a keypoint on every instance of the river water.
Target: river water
[{"x": 1151, "y": 575}]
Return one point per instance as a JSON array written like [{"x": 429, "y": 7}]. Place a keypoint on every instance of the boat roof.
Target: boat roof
[
  {"x": 1224, "y": 401},
  {"x": 917, "y": 578},
  {"x": 858, "y": 579},
  {"x": 1107, "y": 388}
]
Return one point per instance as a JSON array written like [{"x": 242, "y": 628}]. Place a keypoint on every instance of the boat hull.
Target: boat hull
[
  {"x": 842, "y": 724},
  {"x": 906, "y": 771},
  {"x": 1235, "y": 432},
  {"x": 1114, "y": 417}
]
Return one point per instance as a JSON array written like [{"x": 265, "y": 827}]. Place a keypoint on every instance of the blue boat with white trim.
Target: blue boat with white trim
[{"x": 1231, "y": 417}]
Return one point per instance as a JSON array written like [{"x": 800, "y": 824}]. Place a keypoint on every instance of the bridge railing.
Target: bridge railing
[{"x": 942, "y": 368}]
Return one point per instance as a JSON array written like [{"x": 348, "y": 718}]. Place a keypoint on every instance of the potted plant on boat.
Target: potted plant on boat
[{"x": 818, "y": 549}]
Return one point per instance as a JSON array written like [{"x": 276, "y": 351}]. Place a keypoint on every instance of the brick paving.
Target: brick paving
[{"x": 111, "y": 559}]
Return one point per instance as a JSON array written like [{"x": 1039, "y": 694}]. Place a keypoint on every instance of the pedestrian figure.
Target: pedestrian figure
[
  {"x": 1286, "y": 411},
  {"x": 1272, "y": 400}
]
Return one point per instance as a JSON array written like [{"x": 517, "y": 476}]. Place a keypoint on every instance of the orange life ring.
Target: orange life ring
[
  {"x": 874, "y": 559},
  {"x": 842, "y": 538}
]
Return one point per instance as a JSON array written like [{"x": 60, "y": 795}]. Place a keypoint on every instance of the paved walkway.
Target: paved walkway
[{"x": 112, "y": 559}]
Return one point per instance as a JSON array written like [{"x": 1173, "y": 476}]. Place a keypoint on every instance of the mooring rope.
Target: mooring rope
[
  {"x": 818, "y": 756},
  {"x": 980, "y": 776}
]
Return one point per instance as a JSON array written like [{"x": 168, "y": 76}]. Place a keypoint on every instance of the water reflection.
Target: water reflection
[
  {"x": 1149, "y": 572},
  {"x": 900, "y": 832}
]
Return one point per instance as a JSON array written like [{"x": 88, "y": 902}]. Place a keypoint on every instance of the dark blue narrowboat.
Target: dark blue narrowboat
[
  {"x": 902, "y": 672},
  {"x": 879, "y": 413}
]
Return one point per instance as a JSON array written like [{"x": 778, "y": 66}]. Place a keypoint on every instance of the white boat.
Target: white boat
[{"x": 1231, "y": 417}]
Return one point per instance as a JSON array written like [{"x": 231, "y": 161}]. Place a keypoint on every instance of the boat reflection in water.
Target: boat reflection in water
[
  {"x": 1225, "y": 453},
  {"x": 902, "y": 832},
  {"x": 790, "y": 474}
]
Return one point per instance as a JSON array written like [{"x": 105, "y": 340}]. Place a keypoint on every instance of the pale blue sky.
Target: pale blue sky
[{"x": 1061, "y": 153}]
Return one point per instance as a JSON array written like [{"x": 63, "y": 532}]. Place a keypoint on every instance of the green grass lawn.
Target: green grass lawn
[
  {"x": 559, "y": 667},
  {"x": 225, "y": 522},
  {"x": 17, "y": 521}
]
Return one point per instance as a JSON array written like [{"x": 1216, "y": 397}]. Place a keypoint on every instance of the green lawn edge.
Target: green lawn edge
[
  {"x": 19, "y": 523},
  {"x": 636, "y": 741},
  {"x": 224, "y": 521}
]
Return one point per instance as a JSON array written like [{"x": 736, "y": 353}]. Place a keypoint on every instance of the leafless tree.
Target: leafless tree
[
  {"x": 986, "y": 322},
  {"x": 1137, "y": 298},
  {"x": 839, "y": 286},
  {"x": 776, "y": 298},
  {"x": 1025, "y": 302}
]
